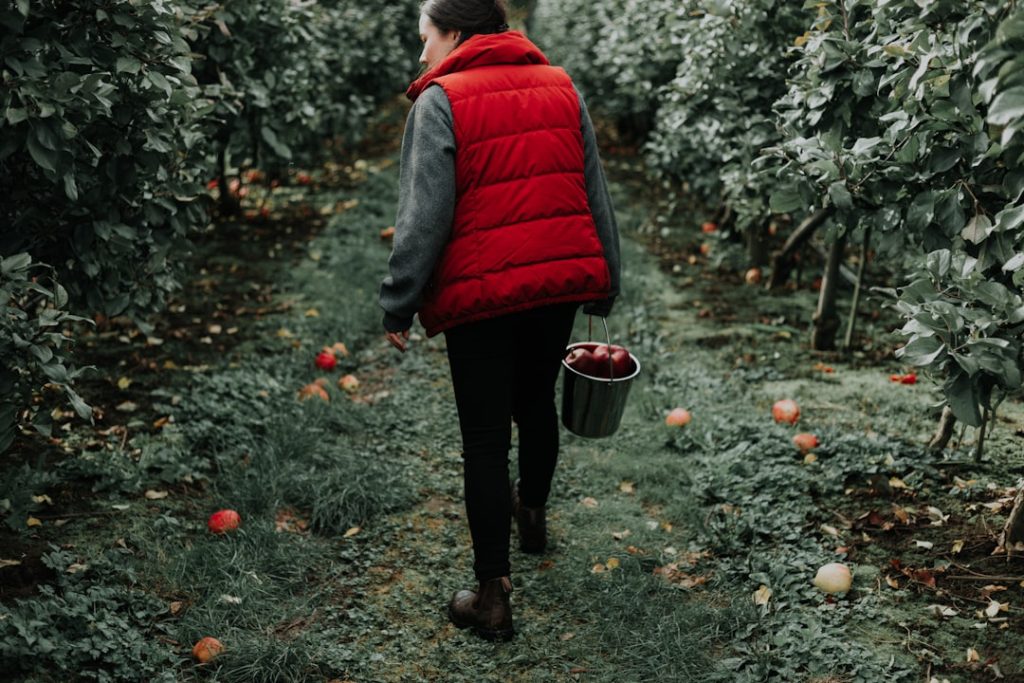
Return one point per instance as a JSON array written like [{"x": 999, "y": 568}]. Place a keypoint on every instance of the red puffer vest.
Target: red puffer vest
[{"x": 523, "y": 235}]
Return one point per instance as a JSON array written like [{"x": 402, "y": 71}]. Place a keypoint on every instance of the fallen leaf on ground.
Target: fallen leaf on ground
[
  {"x": 352, "y": 532},
  {"x": 762, "y": 595},
  {"x": 152, "y": 494},
  {"x": 589, "y": 502},
  {"x": 679, "y": 578}
]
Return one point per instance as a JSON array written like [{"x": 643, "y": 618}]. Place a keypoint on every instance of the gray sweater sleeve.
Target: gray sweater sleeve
[
  {"x": 426, "y": 205},
  {"x": 600, "y": 200}
]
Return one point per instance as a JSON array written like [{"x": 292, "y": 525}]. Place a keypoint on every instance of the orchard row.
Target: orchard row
[
  {"x": 114, "y": 116},
  {"x": 894, "y": 127}
]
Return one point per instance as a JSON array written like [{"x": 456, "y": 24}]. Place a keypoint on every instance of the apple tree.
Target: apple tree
[
  {"x": 889, "y": 134},
  {"x": 716, "y": 115},
  {"x": 100, "y": 161}
]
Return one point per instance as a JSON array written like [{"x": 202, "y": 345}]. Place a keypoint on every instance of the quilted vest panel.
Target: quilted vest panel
[{"x": 523, "y": 235}]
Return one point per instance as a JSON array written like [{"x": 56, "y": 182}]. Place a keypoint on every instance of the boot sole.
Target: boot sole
[{"x": 502, "y": 635}]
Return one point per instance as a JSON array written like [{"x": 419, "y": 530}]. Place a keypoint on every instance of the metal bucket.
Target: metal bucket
[{"x": 593, "y": 406}]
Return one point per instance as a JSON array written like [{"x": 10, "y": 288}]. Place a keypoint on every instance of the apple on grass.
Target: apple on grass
[
  {"x": 223, "y": 521},
  {"x": 206, "y": 649},
  {"x": 786, "y": 411},
  {"x": 678, "y": 417}
]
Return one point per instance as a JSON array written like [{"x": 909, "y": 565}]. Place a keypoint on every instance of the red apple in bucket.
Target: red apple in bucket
[{"x": 581, "y": 360}]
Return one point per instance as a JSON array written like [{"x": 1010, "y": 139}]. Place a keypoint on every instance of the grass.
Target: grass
[{"x": 354, "y": 533}]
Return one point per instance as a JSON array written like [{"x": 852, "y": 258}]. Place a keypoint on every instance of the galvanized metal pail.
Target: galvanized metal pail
[{"x": 593, "y": 406}]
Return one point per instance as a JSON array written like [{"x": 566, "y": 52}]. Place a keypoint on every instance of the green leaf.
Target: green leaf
[
  {"x": 963, "y": 397},
  {"x": 977, "y": 229},
  {"x": 785, "y": 201},
  {"x": 1007, "y": 107},
  {"x": 15, "y": 115},
  {"x": 270, "y": 137},
  {"x": 46, "y": 158},
  {"x": 83, "y": 409},
  {"x": 9, "y": 264},
  {"x": 921, "y": 211},
  {"x": 23, "y": 7},
  {"x": 70, "y": 188},
  {"x": 840, "y": 195},
  {"x": 42, "y": 353},
  {"x": 128, "y": 65},
  {"x": 157, "y": 79},
  {"x": 922, "y": 351}
]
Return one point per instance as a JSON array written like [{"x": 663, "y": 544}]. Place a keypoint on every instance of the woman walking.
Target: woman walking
[{"x": 504, "y": 228}]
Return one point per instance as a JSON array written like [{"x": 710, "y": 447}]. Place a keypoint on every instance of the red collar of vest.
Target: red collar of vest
[{"x": 508, "y": 47}]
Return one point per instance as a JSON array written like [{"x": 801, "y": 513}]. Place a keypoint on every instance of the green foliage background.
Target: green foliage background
[
  {"x": 114, "y": 117},
  {"x": 900, "y": 119}
]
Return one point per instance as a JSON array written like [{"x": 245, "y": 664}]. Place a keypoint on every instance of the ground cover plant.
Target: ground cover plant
[{"x": 688, "y": 546}]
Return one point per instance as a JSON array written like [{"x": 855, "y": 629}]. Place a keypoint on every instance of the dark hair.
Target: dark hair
[{"x": 468, "y": 17}]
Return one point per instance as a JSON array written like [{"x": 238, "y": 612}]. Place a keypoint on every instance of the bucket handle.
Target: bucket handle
[{"x": 590, "y": 334}]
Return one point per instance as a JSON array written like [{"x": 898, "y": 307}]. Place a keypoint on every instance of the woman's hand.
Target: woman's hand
[{"x": 397, "y": 339}]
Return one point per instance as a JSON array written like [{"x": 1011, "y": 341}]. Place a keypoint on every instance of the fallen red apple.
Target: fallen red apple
[
  {"x": 349, "y": 383},
  {"x": 388, "y": 233},
  {"x": 325, "y": 360},
  {"x": 223, "y": 521},
  {"x": 705, "y": 249},
  {"x": 206, "y": 649},
  {"x": 786, "y": 410},
  {"x": 314, "y": 390},
  {"x": 833, "y": 578},
  {"x": 753, "y": 276},
  {"x": 708, "y": 227},
  {"x": 909, "y": 378},
  {"x": 678, "y": 417},
  {"x": 805, "y": 441},
  {"x": 303, "y": 179}
]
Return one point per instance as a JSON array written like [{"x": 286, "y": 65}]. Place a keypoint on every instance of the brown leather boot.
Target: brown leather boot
[
  {"x": 531, "y": 523},
  {"x": 487, "y": 610}
]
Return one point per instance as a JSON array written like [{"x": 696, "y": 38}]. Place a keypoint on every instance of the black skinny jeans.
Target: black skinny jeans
[{"x": 505, "y": 369}]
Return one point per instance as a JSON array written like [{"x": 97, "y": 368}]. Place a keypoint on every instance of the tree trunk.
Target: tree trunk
[
  {"x": 1013, "y": 532},
  {"x": 757, "y": 243},
  {"x": 229, "y": 205},
  {"x": 826, "y": 319},
  {"x": 944, "y": 430},
  {"x": 782, "y": 260},
  {"x": 979, "y": 446},
  {"x": 851, "y": 324}
]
